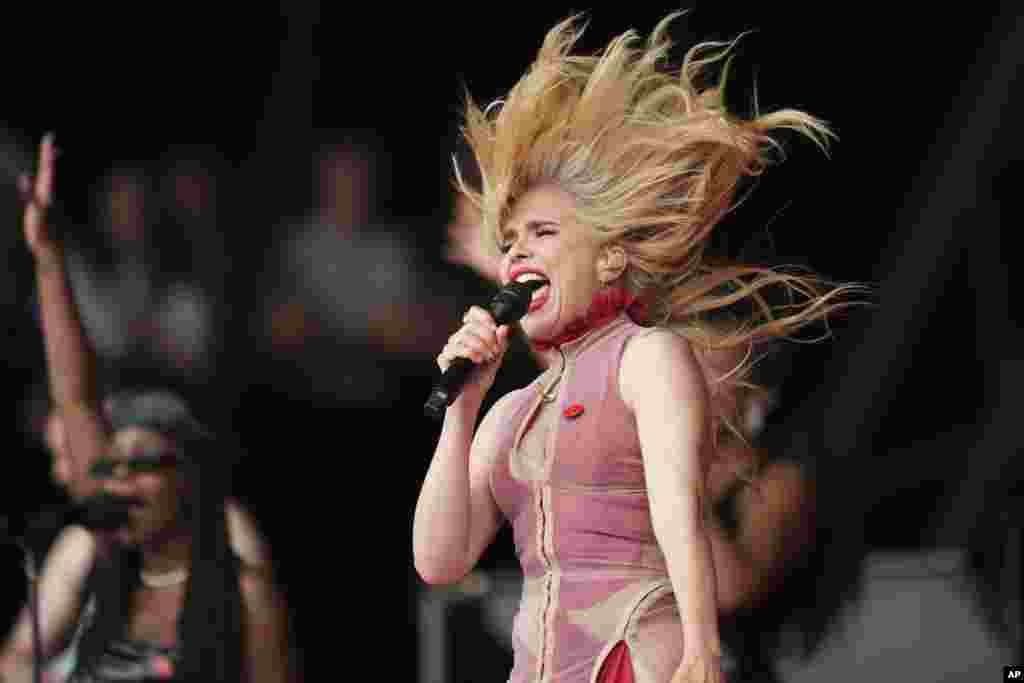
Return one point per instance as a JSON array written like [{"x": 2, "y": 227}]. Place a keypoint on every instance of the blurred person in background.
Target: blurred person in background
[
  {"x": 194, "y": 256},
  {"x": 182, "y": 587},
  {"x": 348, "y": 290},
  {"x": 138, "y": 292},
  {"x": 604, "y": 177}
]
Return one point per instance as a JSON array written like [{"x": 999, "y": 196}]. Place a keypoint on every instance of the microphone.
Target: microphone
[
  {"x": 100, "y": 512},
  {"x": 105, "y": 512},
  {"x": 510, "y": 304}
]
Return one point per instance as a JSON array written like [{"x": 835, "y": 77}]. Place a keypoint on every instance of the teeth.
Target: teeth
[{"x": 526, "y": 277}]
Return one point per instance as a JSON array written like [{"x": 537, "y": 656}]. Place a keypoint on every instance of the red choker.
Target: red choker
[{"x": 606, "y": 306}]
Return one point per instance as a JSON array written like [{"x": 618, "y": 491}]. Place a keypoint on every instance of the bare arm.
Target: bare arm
[
  {"x": 267, "y": 627},
  {"x": 246, "y": 539},
  {"x": 70, "y": 360},
  {"x": 456, "y": 517},
  {"x": 662, "y": 382},
  {"x": 266, "y": 631},
  {"x": 61, "y": 585}
]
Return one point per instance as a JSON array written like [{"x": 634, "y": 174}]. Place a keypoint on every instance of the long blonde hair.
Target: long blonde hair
[{"x": 653, "y": 159}]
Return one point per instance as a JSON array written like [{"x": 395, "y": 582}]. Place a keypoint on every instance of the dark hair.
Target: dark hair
[{"x": 209, "y": 626}]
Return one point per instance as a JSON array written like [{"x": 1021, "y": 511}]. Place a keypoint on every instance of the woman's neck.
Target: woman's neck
[
  {"x": 167, "y": 554},
  {"x": 606, "y": 306}
]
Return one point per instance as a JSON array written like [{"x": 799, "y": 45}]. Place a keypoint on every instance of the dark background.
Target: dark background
[{"x": 900, "y": 413}]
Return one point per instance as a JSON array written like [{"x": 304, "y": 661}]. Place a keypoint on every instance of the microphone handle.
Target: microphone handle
[
  {"x": 508, "y": 305},
  {"x": 446, "y": 388}
]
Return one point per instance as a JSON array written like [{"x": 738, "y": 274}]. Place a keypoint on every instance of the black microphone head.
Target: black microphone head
[
  {"x": 104, "y": 512},
  {"x": 513, "y": 300}
]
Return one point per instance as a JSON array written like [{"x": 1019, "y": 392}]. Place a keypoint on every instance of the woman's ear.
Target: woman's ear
[{"x": 611, "y": 264}]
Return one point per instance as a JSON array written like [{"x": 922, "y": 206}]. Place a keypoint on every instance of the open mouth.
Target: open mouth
[{"x": 540, "y": 296}]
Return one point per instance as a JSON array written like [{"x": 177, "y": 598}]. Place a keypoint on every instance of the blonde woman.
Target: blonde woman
[{"x": 605, "y": 176}]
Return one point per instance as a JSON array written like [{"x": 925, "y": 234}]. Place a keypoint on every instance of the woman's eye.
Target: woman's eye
[{"x": 545, "y": 231}]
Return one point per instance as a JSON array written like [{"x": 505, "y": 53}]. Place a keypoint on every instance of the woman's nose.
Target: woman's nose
[{"x": 518, "y": 251}]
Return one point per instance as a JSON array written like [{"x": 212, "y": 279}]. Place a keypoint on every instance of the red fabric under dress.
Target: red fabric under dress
[{"x": 617, "y": 668}]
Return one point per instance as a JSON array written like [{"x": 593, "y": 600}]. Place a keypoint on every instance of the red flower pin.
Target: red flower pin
[{"x": 573, "y": 410}]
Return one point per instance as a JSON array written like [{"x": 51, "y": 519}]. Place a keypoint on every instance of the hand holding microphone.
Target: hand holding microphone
[{"x": 481, "y": 341}]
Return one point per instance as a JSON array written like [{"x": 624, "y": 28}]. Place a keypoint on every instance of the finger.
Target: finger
[
  {"x": 487, "y": 331},
  {"x": 475, "y": 313},
  {"x": 33, "y": 209},
  {"x": 483, "y": 337},
  {"x": 502, "y": 336},
  {"x": 467, "y": 347},
  {"x": 44, "y": 179},
  {"x": 25, "y": 186},
  {"x": 482, "y": 323},
  {"x": 443, "y": 361},
  {"x": 478, "y": 350},
  {"x": 480, "y": 327}
]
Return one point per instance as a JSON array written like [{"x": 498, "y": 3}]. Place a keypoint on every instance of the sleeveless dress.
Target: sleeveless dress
[
  {"x": 569, "y": 477},
  {"x": 124, "y": 660}
]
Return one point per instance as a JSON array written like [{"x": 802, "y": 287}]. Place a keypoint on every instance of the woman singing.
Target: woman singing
[
  {"x": 605, "y": 177},
  {"x": 182, "y": 589}
]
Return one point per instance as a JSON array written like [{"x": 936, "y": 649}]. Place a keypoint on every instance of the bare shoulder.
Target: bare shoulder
[
  {"x": 658, "y": 345},
  {"x": 75, "y": 540},
  {"x": 74, "y": 551},
  {"x": 656, "y": 357}
]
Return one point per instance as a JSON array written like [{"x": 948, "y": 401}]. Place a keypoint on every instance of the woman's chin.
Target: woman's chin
[
  {"x": 534, "y": 327},
  {"x": 540, "y": 330}
]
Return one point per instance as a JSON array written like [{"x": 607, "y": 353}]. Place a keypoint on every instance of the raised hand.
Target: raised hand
[
  {"x": 481, "y": 341},
  {"x": 37, "y": 193}
]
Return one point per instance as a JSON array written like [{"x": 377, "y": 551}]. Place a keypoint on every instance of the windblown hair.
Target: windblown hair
[
  {"x": 209, "y": 627},
  {"x": 653, "y": 159}
]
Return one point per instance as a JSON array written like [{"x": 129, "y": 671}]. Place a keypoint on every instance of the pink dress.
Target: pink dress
[{"x": 570, "y": 479}]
